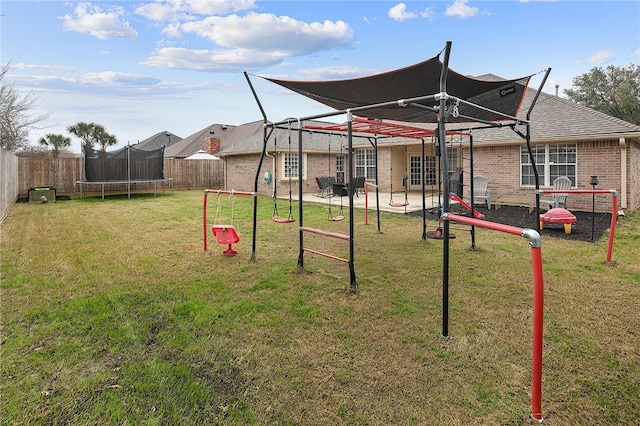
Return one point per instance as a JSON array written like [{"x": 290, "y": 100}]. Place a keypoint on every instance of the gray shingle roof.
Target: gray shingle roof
[
  {"x": 195, "y": 142},
  {"x": 553, "y": 118},
  {"x": 251, "y": 141},
  {"x": 158, "y": 140}
]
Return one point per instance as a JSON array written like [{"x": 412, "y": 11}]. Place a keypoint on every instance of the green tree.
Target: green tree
[
  {"x": 85, "y": 132},
  {"x": 17, "y": 116},
  {"x": 56, "y": 142},
  {"x": 92, "y": 134},
  {"x": 105, "y": 139},
  {"x": 612, "y": 90}
]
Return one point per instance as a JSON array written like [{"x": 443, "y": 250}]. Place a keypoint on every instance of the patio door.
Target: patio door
[{"x": 416, "y": 175}]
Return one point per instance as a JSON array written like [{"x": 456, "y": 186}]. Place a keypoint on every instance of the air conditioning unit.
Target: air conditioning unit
[{"x": 42, "y": 195}]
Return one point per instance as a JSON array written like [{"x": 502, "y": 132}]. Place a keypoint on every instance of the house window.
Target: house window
[
  {"x": 414, "y": 170},
  {"x": 291, "y": 166},
  {"x": 340, "y": 172},
  {"x": 366, "y": 163},
  {"x": 452, "y": 159},
  {"x": 552, "y": 161},
  {"x": 430, "y": 172}
]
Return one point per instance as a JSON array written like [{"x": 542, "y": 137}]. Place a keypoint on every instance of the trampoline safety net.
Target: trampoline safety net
[{"x": 125, "y": 164}]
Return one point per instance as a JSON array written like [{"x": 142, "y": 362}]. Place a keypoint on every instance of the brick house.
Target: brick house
[{"x": 567, "y": 139}]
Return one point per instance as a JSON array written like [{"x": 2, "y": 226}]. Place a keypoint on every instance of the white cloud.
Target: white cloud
[
  {"x": 174, "y": 10},
  {"x": 107, "y": 83},
  {"x": 399, "y": 13},
  {"x": 253, "y": 41},
  {"x": 280, "y": 35},
  {"x": 34, "y": 67},
  {"x": 333, "y": 73},
  {"x": 211, "y": 60},
  {"x": 112, "y": 77},
  {"x": 460, "y": 9},
  {"x": 601, "y": 57},
  {"x": 636, "y": 54},
  {"x": 428, "y": 13},
  {"x": 89, "y": 19}
]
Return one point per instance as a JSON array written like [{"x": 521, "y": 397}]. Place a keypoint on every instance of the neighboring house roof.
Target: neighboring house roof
[
  {"x": 553, "y": 119},
  {"x": 251, "y": 141},
  {"x": 202, "y": 155},
  {"x": 195, "y": 142},
  {"x": 158, "y": 140}
]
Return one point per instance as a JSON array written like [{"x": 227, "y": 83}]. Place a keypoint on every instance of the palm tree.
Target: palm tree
[
  {"x": 91, "y": 134},
  {"x": 103, "y": 138},
  {"x": 85, "y": 131},
  {"x": 56, "y": 142}
]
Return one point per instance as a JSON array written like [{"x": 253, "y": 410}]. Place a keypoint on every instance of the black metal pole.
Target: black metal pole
[
  {"x": 353, "y": 284},
  {"x": 443, "y": 153},
  {"x": 300, "y": 209},
  {"x": 265, "y": 138},
  {"x": 375, "y": 141},
  {"x": 593, "y": 215},
  {"x": 530, "y": 150},
  {"x": 594, "y": 182},
  {"x": 424, "y": 206},
  {"x": 472, "y": 189}
]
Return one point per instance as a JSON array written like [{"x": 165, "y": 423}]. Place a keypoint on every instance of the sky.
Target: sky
[{"x": 143, "y": 67}]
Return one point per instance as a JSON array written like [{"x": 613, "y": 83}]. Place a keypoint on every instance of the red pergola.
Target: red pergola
[{"x": 378, "y": 127}]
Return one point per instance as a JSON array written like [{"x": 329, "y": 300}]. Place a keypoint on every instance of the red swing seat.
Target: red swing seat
[
  {"x": 226, "y": 234},
  {"x": 280, "y": 219}
]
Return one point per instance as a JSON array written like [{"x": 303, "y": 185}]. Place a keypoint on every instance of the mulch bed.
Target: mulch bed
[{"x": 520, "y": 217}]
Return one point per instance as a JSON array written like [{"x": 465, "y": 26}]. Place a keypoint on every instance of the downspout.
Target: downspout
[{"x": 623, "y": 172}]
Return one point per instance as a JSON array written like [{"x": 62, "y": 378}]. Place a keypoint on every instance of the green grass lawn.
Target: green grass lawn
[{"x": 111, "y": 313}]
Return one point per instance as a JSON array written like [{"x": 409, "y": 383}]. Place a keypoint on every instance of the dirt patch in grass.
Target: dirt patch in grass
[{"x": 522, "y": 218}]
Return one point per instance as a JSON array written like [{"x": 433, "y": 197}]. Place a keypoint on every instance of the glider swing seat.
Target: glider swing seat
[
  {"x": 276, "y": 216},
  {"x": 225, "y": 234}
]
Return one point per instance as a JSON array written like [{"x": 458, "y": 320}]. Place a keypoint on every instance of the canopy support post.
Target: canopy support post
[
  {"x": 442, "y": 134},
  {"x": 265, "y": 138},
  {"x": 353, "y": 284}
]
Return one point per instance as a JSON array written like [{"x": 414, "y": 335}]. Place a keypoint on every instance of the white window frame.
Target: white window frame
[
  {"x": 341, "y": 162},
  {"x": 284, "y": 172},
  {"x": 367, "y": 167},
  {"x": 547, "y": 151}
]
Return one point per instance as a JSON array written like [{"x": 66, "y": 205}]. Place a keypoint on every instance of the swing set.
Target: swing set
[
  {"x": 340, "y": 215},
  {"x": 276, "y": 216},
  {"x": 405, "y": 182},
  {"x": 225, "y": 234}
]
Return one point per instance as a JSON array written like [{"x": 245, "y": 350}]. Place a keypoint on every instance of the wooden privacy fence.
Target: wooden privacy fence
[
  {"x": 62, "y": 174},
  {"x": 9, "y": 181}
]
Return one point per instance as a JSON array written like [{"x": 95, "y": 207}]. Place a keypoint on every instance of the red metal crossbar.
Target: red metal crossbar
[
  {"x": 538, "y": 300},
  {"x": 325, "y": 234}
]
